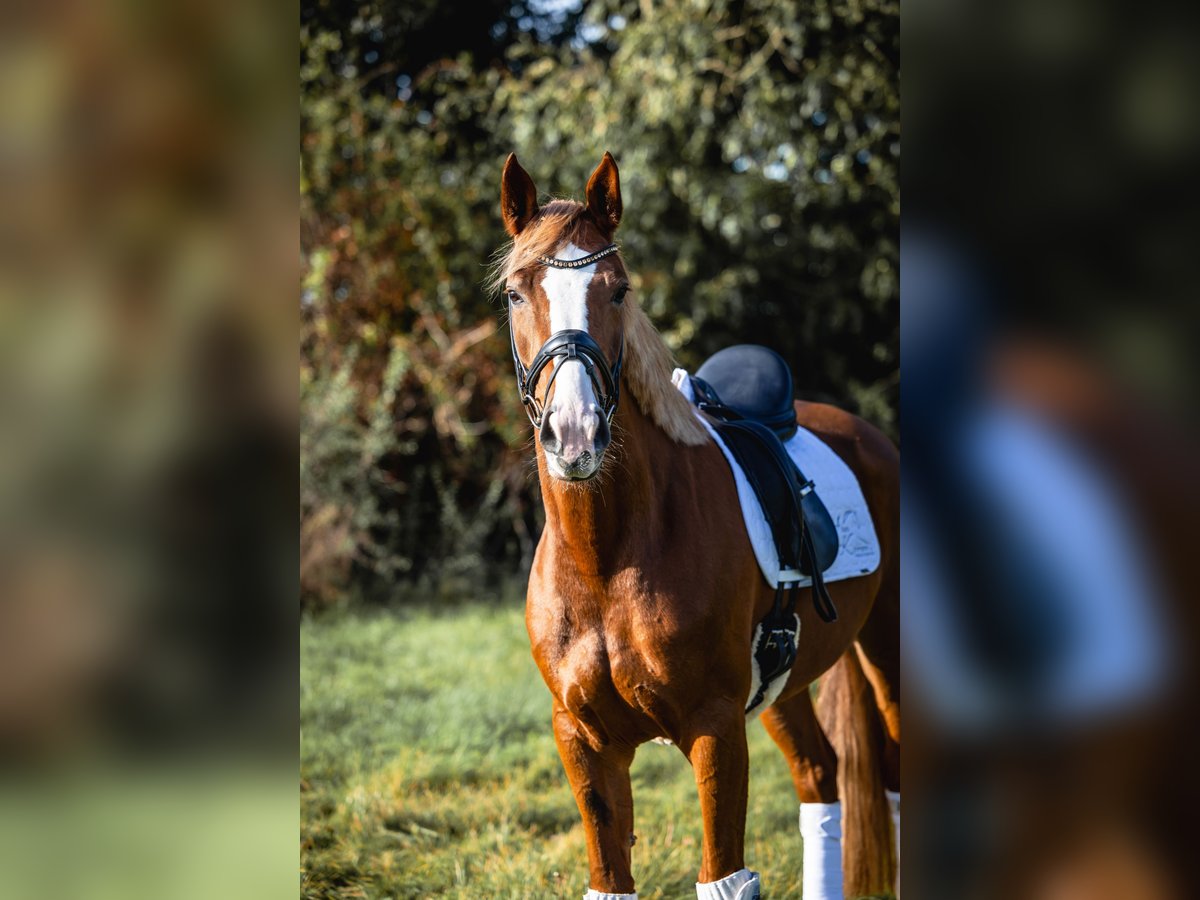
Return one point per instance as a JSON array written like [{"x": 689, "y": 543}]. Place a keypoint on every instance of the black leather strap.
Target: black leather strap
[
  {"x": 822, "y": 602},
  {"x": 569, "y": 344}
]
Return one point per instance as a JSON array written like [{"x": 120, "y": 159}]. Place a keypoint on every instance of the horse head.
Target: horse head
[{"x": 565, "y": 284}]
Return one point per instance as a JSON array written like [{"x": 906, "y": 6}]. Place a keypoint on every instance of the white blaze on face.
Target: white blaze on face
[{"x": 576, "y": 410}]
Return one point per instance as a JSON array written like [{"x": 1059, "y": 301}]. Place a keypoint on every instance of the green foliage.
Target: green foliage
[
  {"x": 428, "y": 768},
  {"x": 342, "y": 524},
  {"x": 758, "y": 146}
]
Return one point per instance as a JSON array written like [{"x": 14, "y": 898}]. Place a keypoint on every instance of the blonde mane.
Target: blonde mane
[
  {"x": 648, "y": 367},
  {"x": 648, "y": 362}
]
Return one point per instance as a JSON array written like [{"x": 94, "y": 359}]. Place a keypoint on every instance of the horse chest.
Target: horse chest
[{"x": 608, "y": 692}]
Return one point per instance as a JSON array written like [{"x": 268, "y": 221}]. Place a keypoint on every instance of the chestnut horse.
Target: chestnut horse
[{"x": 645, "y": 592}]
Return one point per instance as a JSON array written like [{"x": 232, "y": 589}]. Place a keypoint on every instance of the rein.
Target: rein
[{"x": 569, "y": 344}]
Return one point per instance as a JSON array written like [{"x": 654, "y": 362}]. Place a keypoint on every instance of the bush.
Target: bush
[
  {"x": 758, "y": 147},
  {"x": 347, "y": 519}
]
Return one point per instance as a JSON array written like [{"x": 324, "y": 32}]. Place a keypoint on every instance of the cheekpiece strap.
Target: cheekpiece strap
[{"x": 555, "y": 263}]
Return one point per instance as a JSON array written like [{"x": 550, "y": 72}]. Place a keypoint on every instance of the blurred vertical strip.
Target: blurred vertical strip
[
  {"x": 148, "y": 559},
  {"x": 1052, "y": 499}
]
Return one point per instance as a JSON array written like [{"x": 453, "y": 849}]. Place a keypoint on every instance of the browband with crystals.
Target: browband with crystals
[{"x": 577, "y": 263}]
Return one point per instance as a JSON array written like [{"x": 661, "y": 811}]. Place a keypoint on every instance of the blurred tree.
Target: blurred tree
[{"x": 758, "y": 143}]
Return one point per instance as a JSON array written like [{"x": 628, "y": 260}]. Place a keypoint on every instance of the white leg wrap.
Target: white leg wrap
[
  {"x": 741, "y": 885},
  {"x": 599, "y": 895},
  {"x": 821, "y": 829},
  {"x": 893, "y": 799}
]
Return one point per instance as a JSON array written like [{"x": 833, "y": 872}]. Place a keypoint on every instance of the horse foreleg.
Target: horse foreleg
[
  {"x": 716, "y": 748},
  {"x": 599, "y": 780}
]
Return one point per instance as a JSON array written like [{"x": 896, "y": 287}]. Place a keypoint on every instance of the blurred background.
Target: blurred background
[
  {"x": 1051, "y": 494},
  {"x": 758, "y": 144},
  {"x": 148, "y": 269}
]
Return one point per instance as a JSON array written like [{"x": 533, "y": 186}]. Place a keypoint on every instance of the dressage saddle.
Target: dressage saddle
[
  {"x": 746, "y": 393},
  {"x": 754, "y": 382}
]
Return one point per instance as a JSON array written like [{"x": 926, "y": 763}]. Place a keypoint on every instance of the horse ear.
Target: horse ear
[
  {"x": 604, "y": 193},
  {"x": 518, "y": 196}
]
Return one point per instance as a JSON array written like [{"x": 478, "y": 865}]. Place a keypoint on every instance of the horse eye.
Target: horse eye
[
  {"x": 619, "y": 296},
  {"x": 513, "y": 297}
]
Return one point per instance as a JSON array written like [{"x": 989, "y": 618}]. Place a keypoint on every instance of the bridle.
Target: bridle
[{"x": 566, "y": 345}]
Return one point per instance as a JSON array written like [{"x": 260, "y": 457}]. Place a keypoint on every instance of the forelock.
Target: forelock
[{"x": 558, "y": 222}]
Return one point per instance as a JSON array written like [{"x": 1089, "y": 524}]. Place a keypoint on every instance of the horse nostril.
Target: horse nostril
[
  {"x": 548, "y": 437},
  {"x": 603, "y": 434}
]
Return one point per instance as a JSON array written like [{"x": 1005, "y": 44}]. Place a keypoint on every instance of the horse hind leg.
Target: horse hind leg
[
  {"x": 888, "y": 738},
  {"x": 879, "y": 655},
  {"x": 792, "y": 724},
  {"x": 848, "y": 712}
]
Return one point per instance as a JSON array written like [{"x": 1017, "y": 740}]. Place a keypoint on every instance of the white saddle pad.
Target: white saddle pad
[{"x": 834, "y": 482}]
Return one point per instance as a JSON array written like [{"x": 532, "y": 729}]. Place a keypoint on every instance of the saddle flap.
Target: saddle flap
[
  {"x": 788, "y": 500},
  {"x": 755, "y": 382},
  {"x": 820, "y": 527}
]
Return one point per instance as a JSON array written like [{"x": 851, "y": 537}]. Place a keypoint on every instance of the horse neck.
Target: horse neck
[{"x": 599, "y": 523}]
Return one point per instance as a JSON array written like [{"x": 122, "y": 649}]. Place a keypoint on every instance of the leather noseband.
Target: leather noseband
[{"x": 567, "y": 345}]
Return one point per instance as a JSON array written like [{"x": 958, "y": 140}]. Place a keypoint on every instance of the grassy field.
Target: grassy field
[{"x": 428, "y": 769}]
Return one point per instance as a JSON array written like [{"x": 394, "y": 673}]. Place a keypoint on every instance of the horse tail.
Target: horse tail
[{"x": 847, "y": 712}]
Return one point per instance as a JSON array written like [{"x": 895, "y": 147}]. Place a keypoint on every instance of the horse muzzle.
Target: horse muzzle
[{"x": 574, "y": 441}]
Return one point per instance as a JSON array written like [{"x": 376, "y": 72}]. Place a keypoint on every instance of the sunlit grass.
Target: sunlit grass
[{"x": 428, "y": 768}]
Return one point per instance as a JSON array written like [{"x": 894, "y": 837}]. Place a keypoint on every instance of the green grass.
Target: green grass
[{"x": 428, "y": 769}]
